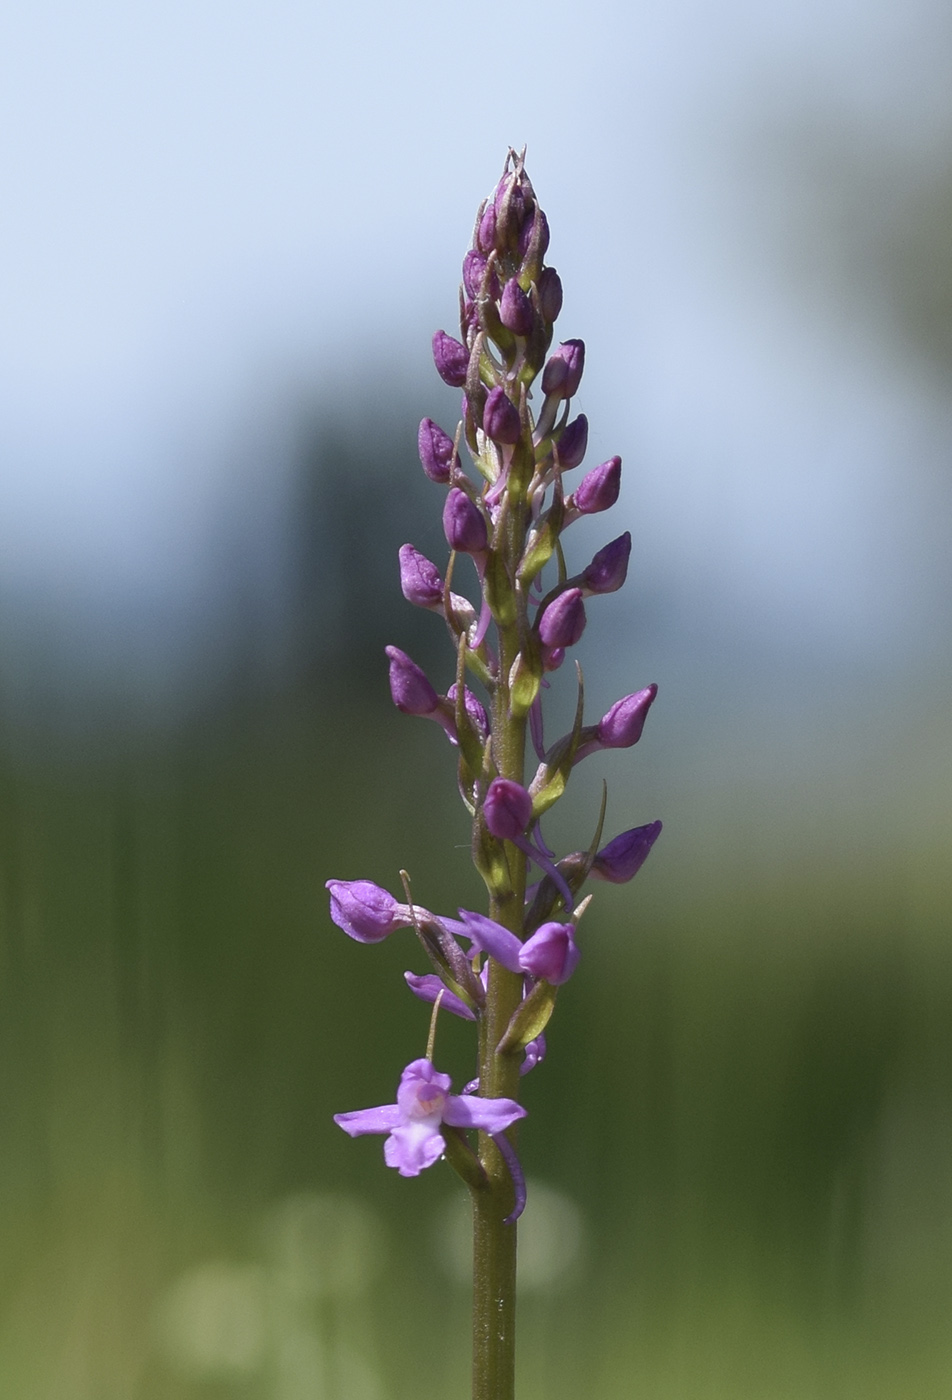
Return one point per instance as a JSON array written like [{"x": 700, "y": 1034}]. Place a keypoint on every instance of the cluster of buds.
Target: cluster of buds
[{"x": 503, "y": 970}]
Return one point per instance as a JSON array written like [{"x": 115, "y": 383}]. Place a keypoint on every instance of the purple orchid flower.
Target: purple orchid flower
[
  {"x": 412, "y": 1124},
  {"x": 550, "y": 954},
  {"x": 507, "y": 810},
  {"x": 366, "y": 912},
  {"x": 428, "y": 987},
  {"x": 622, "y": 858}
]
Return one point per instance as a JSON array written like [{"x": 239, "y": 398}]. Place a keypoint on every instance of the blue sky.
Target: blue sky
[{"x": 213, "y": 211}]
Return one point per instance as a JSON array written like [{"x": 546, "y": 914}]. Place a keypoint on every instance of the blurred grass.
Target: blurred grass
[{"x": 747, "y": 1095}]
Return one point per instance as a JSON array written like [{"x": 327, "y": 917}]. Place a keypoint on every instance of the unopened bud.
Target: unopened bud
[
  {"x": 412, "y": 692},
  {"x": 501, "y": 417},
  {"x": 436, "y": 451},
  {"x": 622, "y": 725},
  {"x": 563, "y": 371},
  {"x": 474, "y": 268},
  {"x": 609, "y": 568},
  {"x": 515, "y": 309},
  {"x": 622, "y": 858},
  {"x": 486, "y": 233},
  {"x": 507, "y": 809},
  {"x": 551, "y": 953},
  {"x": 510, "y": 204},
  {"x": 451, "y": 360},
  {"x": 573, "y": 443},
  {"x": 474, "y": 709},
  {"x": 598, "y": 490},
  {"x": 420, "y": 579},
  {"x": 549, "y": 287},
  {"x": 563, "y": 621},
  {"x": 535, "y": 231},
  {"x": 463, "y": 524},
  {"x": 365, "y": 911}
]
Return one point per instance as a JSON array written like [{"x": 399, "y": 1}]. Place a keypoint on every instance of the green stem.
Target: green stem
[{"x": 494, "y": 1242}]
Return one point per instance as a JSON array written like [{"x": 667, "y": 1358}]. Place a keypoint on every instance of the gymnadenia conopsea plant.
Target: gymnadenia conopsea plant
[{"x": 505, "y": 519}]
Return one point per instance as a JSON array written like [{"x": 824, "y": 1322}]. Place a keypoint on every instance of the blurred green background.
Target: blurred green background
[
  {"x": 228, "y": 232},
  {"x": 738, "y": 1146}
]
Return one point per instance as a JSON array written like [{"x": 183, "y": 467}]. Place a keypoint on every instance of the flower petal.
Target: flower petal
[
  {"x": 491, "y": 1115},
  {"x": 370, "y": 1120},
  {"x": 428, "y": 987},
  {"x": 412, "y": 1147},
  {"x": 490, "y": 937}
]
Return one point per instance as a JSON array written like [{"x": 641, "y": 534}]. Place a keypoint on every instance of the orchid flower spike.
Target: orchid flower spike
[{"x": 508, "y": 508}]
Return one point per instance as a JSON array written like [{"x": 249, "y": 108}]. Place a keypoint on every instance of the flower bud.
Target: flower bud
[
  {"x": 515, "y": 309},
  {"x": 622, "y": 725},
  {"x": 463, "y": 524},
  {"x": 486, "y": 233},
  {"x": 535, "y": 229},
  {"x": 507, "y": 809},
  {"x": 549, "y": 287},
  {"x": 563, "y": 621},
  {"x": 551, "y": 953},
  {"x": 474, "y": 267},
  {"x": 476, "y": 711},
  {"x": 573, "y": 442},
  {"x": 501, "y": 417},
  {"x": 436, "y": 451},
  {"x": 420, "y": 580},
  {"x": 451, "y": 360},
  {"x": 623, "y": 857},
  {"x": 563, "y": 371},
  {"x": 365, "y": 911},
  {"x": 598, "y": 490},
  {"x": 411, "y": 691},
  {"x": 609, "y": 568},
  {"x": 511, "y": 209}
]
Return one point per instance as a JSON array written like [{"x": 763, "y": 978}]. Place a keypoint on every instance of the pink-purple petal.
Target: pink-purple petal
[
  {"x": 490, "y": 1115},
  {"x": 370, "y": 1120},
  {"x": 490, "y": 937},
  {"x": 427, "y": 987},
  {"x": 413, "y": 1147}
]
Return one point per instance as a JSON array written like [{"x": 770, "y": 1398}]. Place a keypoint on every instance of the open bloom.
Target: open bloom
[
  {"x": 424, "y": 1102},
  {"x": 550, "y": 953}
]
